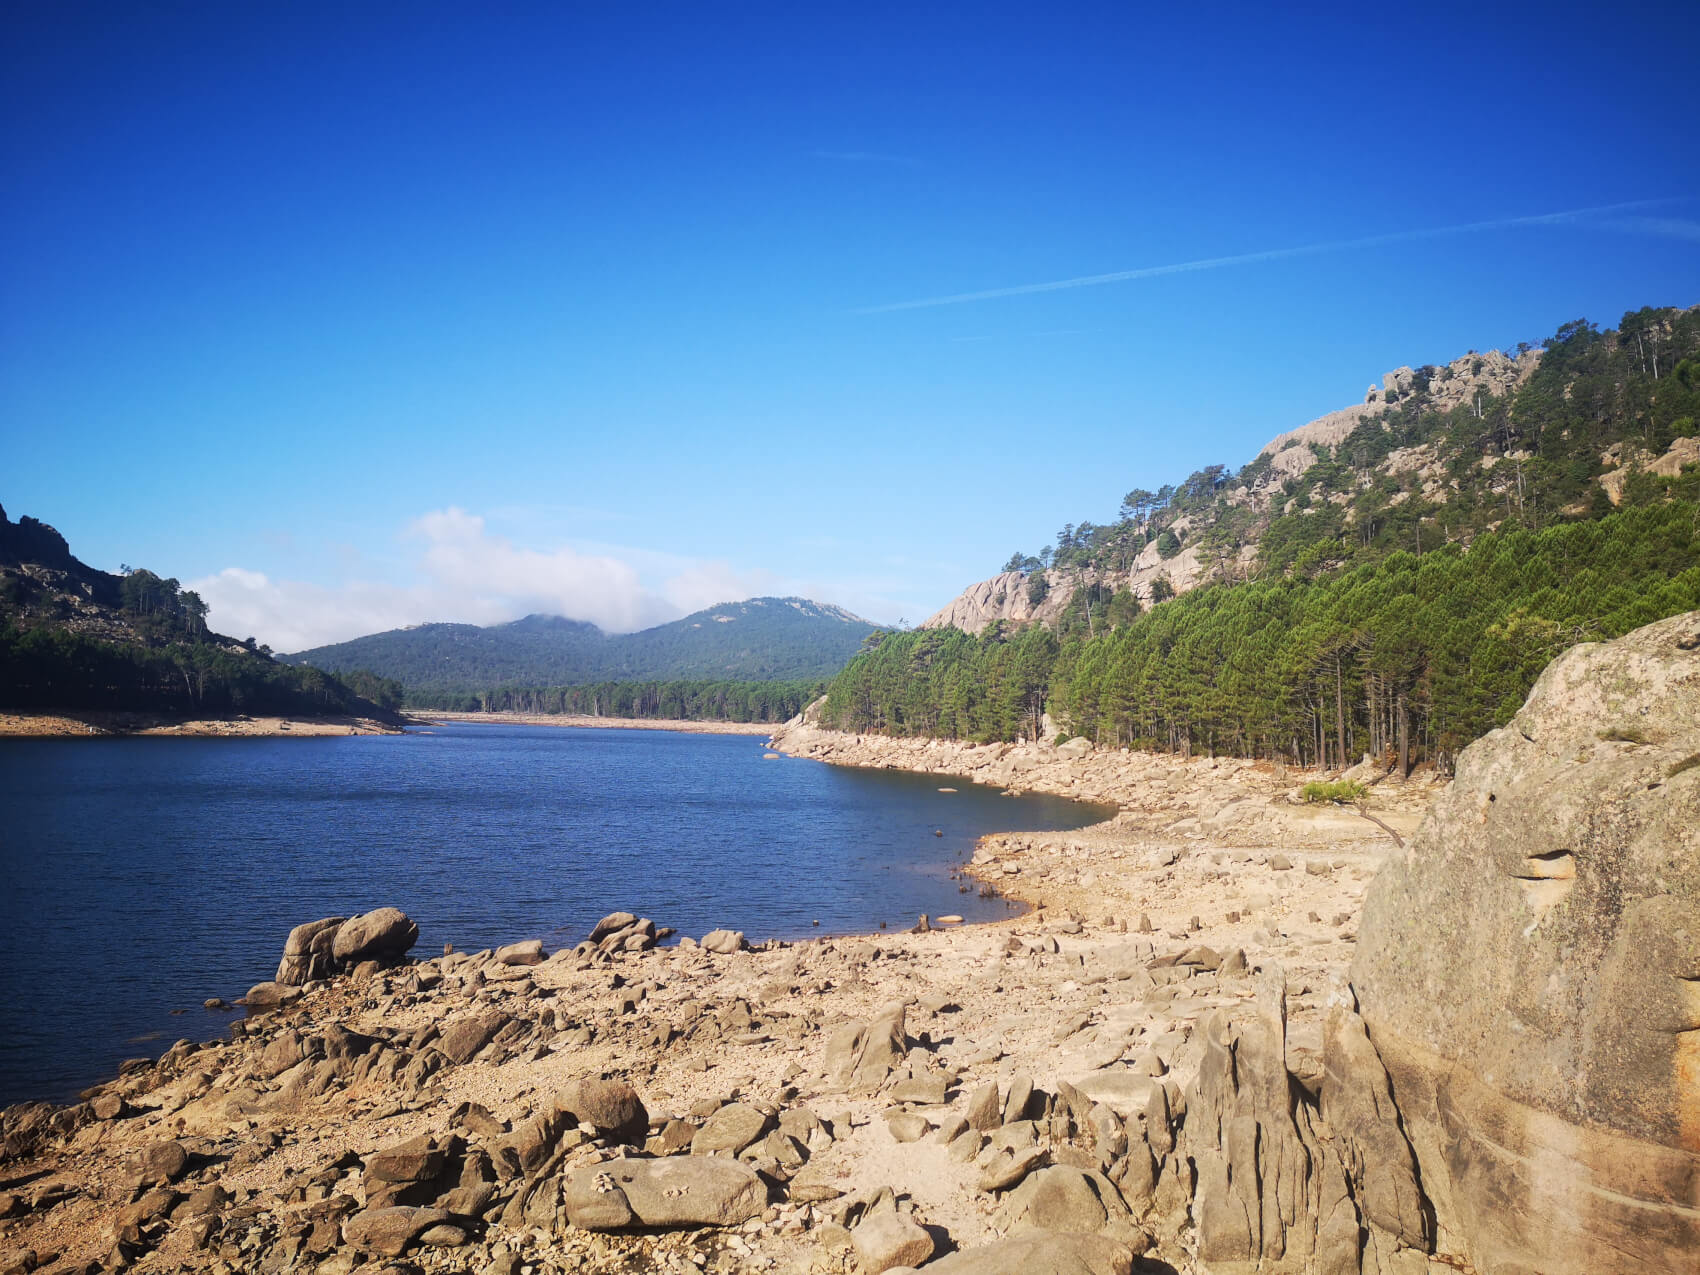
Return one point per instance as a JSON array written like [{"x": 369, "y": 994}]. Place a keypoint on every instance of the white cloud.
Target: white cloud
[{"x": 466, "y": 574}]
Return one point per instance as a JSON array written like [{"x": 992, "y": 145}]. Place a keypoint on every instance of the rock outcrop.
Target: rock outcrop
[
  {"x": 1529, "y": 971},
  {"x": 319, "y": 949}
]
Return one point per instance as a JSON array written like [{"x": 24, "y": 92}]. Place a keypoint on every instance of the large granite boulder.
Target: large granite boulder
[
  {"x": 685, "y": 1190},
  {"x": 1529, "y": 972},
  {"x": 383, "y": 935},
  {"x": 307, "y": 952},
  {"x": 319, "y": 949},
  {"x": 860, "y": 1057}
]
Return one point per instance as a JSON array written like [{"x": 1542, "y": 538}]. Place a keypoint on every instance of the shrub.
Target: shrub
[{"x": 1338, "y": 790}]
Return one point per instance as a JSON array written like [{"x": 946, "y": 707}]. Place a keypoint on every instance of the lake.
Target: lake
[{"x": 142, "y": 876}]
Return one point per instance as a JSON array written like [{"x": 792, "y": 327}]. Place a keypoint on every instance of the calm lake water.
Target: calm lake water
[{"x": 142, "y": 876}]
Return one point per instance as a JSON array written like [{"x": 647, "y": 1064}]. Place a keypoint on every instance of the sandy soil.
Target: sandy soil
[{"x": 101, "y": 723}]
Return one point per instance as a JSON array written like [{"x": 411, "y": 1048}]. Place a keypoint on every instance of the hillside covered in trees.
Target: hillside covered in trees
[
  {"x": 1397, "y": 658},
  {"x": 760, "y": 640},
  {"x": 76, "y": 638},
  {"x": 1563, "y": 430},
  {"x": 1393, "y": 592}
]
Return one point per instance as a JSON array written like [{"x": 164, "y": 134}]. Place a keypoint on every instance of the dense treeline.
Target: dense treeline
[
  {"x": 680, "y": 701},
  {"x": 1407, "y": 657},
  {"x": 43, "y": 667}
]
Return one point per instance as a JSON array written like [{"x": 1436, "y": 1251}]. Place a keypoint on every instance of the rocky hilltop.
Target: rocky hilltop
[
  {"x": 1433, "y": 456},
  {"x": 1234, "y": 1033}
]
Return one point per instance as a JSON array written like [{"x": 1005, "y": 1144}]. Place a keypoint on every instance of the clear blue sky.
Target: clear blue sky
[{"x": 365, "y": 314}]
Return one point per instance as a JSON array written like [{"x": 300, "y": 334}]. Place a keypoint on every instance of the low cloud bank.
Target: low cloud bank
[{"x": 468, "y": 575}]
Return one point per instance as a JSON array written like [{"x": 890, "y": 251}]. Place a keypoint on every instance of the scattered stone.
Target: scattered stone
[
  {"x": 611, "y": 1107},
  {"x": 464, "y": 1037},
  {"x": 389, "y": 1231},
  {"x": 730, "y": 1129},
  {"x": 985, "y": 1109},
  {"x": 906, "y": 1127},
  {"x": 861, "y": 1056},
  {"x": 888, "y": 1239},
  {"x": 687, "y": 1190},
  {"x": 270, "y": 995},
  {"x": 530, "y": 952}
]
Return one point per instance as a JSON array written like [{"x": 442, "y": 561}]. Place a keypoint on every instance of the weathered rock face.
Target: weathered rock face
[
  {"x": 383, "y": 935},
  {"x": 862, "y": 1056},
  {"x": 1277, "y": 1189},
  {"x": 307, "y": 952},
  {"x": 319, "y": 949},
  {"x": 1529, "y": 971}
]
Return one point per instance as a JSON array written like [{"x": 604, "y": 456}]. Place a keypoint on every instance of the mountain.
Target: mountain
[
  {"x": 1384, "y": 582},
  {"x": 763, "y": 639},
  {"x": 73, "y": 637},
  {"x": 1433, "y": 456}
]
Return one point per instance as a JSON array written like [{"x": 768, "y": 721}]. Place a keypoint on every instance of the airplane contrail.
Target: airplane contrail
[{"x": 1271, "y": 254}]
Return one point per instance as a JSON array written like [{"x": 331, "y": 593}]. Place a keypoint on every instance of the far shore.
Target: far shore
[
  {"x": 67, "y": 724},
  {"x": 582, "y": 721}
]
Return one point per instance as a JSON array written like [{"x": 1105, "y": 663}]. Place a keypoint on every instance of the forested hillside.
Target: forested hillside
[
  {"x": 1567, "y": 429},
  {"x": 75, "y": 638},
  {"x": 1394, "y": 591},
  {"x": 761, "y": 640},
  {"x": 1404, "y": 657}
]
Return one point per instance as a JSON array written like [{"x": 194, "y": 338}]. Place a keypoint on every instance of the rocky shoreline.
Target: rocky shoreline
[{"x": 1179, "y": 1060}]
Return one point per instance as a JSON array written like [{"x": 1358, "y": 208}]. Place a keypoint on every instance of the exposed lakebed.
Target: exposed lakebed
[{"x": 142, "y": 876}]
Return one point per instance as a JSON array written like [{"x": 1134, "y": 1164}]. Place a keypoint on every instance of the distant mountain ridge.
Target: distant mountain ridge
[{"x": 761, "y": 639}]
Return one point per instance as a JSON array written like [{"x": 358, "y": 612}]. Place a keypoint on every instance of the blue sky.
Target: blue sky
[{"x": 360, "y": 315}]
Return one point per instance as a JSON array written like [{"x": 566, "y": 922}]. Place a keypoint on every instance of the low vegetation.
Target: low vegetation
[{"x": 1337, "y": 791}]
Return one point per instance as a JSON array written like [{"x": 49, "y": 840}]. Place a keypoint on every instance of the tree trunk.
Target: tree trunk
[
  {"x": 1340, "y": 711},
  {"x": 1404, "y": 737}
]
